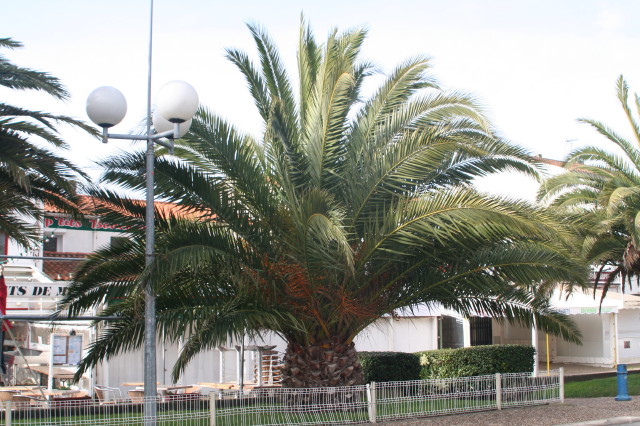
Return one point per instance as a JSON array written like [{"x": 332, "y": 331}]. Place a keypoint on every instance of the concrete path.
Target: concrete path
[
  {"x": 580, "y": 411},
  {"x": 582, "y": 370},
  {"x": 574, "y": 412}
]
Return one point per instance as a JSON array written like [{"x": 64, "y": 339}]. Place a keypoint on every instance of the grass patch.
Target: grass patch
[
  {"x": 169, "y": 418},
  {"x": 424, "y": 406},
  {"x": 400, "y": 407},
  {"x": 597, "y": 388}
]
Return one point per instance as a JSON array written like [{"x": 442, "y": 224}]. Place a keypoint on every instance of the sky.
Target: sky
[{"x": 535, "y": 66}]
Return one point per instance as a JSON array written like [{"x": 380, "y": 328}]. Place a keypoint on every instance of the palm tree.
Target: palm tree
[
  {"x": 345, "y": 210},
  {"x": 29, "y": 173},
  {"x": 600, "y": 191}
]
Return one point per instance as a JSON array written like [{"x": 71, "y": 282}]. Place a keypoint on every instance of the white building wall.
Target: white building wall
[
  {"x": 129, "y": 368},
  {"x": 375, "y": 337},
  {"x": 596, "y": 341},
  {"x": 81, "y": 241},
  {"x": 416, "y": 334},
  {"x": 13, "y": 249},
  {"x": 629, "y": 336},
  {"x": 203, "y": 368},
  {"x": 399, "y": 335},
  {"x": 516, "y": 334},
  {"x": 511, "y": 334}
]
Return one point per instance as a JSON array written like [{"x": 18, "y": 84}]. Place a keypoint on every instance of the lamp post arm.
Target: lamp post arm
[
  {"x": 129, "y": 137},
  {"x": 169, "y": 134},
  {"x": 156, "y": 137},
  {"x": 169, "y": 145}
]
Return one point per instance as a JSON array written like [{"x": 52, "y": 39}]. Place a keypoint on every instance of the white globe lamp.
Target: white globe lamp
[
  {"x": 177, "y": 101},
  {"x": 106, "y": 106}
]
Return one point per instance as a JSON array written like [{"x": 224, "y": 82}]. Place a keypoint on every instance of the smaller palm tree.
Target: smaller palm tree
[
  {"x": 600, "y": 192},
  {"x": 29, "y": 173}
]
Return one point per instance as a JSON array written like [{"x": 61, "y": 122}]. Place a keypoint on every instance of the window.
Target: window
[
  {"x": 117, "y": 242},
  {"x": 50, "y": 243},
  {"x": 481, "y": 331},
  {"x": 3, "y": 244},
  {"x": 451, "y": 332}
]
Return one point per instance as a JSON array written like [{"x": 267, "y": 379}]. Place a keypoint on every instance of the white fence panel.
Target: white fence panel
[
  {"x": 287, "y": 406},
  {"x": 423, "y": 398},
  {"x": 179, "y": 411},
  {"x": 522, "y": 389}
]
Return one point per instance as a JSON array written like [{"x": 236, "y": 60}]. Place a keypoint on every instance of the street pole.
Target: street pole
[{"x": 150, "y": 373}]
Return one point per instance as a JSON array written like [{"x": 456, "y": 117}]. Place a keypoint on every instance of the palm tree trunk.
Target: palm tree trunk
[
  {"x": 631, "y": 258},
  {"x": 325, "y": 365}
]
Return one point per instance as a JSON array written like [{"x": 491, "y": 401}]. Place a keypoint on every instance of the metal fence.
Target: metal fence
[
  {"x": 312, "y": 406},
  {"x": 171, "y": 411}
]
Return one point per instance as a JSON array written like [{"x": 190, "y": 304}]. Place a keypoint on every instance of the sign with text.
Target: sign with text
[
  {"x": 65, "y": 349},
  {"x": 82, "y": 224},
  {"x": 588, "y": 310},
  {"x": 53, "y": 290}
]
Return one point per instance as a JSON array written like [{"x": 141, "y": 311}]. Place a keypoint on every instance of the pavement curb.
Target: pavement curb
[{"x": 611, "y": 421}]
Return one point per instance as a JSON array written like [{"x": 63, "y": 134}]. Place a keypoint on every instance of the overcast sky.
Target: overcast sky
[{"x": 536, "y": 65}]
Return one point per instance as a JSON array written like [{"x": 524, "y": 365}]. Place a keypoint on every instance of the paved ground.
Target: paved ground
[
  {"x": 583, "y": 411},
  {"x": 585, "y": 370},
  {"x": 573, "y": 411}
]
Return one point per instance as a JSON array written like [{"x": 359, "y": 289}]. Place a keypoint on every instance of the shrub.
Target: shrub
[
  {"x": 389, "y": 366},
  {"x": 476, "y": 361}
]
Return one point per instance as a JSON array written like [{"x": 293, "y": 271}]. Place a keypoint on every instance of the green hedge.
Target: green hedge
[
  {"x": 389, "y": 366},
  {"x": 476, "y": 361}
]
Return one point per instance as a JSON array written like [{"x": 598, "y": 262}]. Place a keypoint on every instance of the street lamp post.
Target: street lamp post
[{"x": 176, "y": 104}]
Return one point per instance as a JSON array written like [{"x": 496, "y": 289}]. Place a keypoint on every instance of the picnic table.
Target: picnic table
[
  {"x": 221, "y": 386},
  {"x": 164, "y": 391},
  {"x": 165, "y": 388},
  {"x": 137, "y": 384},
  {"x": 51, "y": 394}
]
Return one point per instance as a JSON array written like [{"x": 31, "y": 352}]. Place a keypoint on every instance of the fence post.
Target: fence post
[
  {"x": 371, "y": 398},
  {"x": 498, "y": 391},
  {"x": 7, "y": 413},
  {"x": 561, "y": 379},
  {"x": 212, "y": 408}
]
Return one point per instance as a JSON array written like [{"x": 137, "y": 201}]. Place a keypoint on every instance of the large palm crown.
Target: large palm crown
[{"x": 344, "y": 211}]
